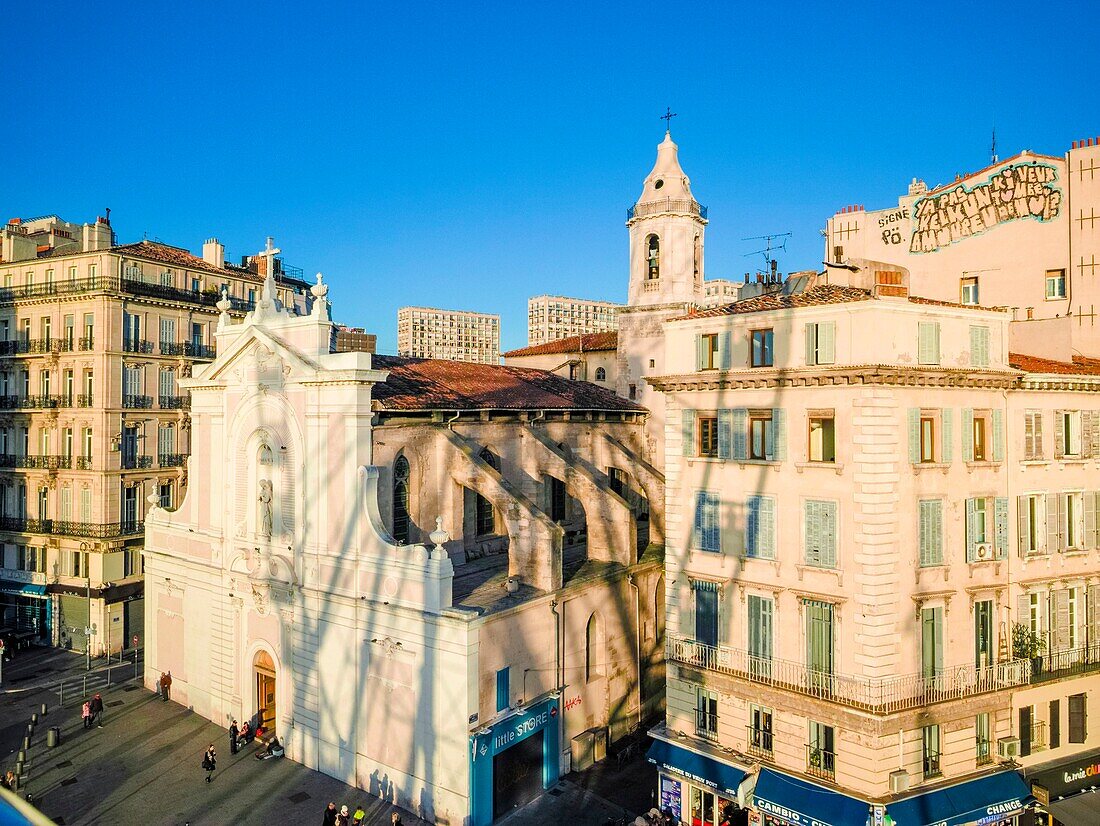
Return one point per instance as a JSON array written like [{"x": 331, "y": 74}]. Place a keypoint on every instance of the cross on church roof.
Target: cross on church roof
[
  {"x": 268, "y": 254},
  {"x": 667, "y": 118}
]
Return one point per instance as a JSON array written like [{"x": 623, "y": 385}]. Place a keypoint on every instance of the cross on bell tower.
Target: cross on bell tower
[
  {"x": 268, "y": 253},
  {"x": 667, "y": 118}
]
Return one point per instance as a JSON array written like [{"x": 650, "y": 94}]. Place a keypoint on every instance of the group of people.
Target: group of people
[
  {"x": 8, "y": 781},
  {"x": 91, "y": 712},
  {"x": 342, "y": 817}
]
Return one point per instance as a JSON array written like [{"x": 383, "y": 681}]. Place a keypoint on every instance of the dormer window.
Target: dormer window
[{"x": 653, "y": 257}]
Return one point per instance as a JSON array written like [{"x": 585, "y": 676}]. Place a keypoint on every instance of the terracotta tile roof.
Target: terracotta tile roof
[
  {"x": 177, "y": 257},
  {"x": 573, "y": 344},
  {"x": 916, "y": 299},
  {"x": 821, "y": 294},
  {"x": 436, "y": 384},
  {"x": 1080, "y": 365}
]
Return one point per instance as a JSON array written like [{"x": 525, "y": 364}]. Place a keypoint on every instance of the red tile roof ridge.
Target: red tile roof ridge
[
  {"x": 587, "y": 341},
  {"x": 1079, "y": 366},
  {"x": 168, "y": 254}
]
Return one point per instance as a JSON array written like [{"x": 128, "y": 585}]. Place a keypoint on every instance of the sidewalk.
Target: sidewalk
[{"x": 143, "y": 768}]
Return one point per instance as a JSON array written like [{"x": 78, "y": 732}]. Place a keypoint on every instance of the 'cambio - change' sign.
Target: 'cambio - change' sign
[{"x": 1022, "y": 190}]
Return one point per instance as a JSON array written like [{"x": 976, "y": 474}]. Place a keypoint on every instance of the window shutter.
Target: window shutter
[
  {"x": 947, "y": 422},
  {"x": 724, "y": 351},
  {"x": 779, "y": 434},
  {"x": 1025, "y": 731},
  {"x": 1089, "y": 498},
  {"x": 1023, "y": 610},
  {"x": 752, "y": 526},
  {"x": 1059, "y": 434},
  {"x": 998, "y": 436},
  {"x": 914, "y": 435},
  {"x": 979, "y": 346},
  {"x": 1095, "y": 441},
  {"x": 829, "y": 533},
  {"x": 1022, "y": 525},
  {"x": 1054, "y": 527},
  {"x": 811, "y": 344},
  {"x": 826, "y": 342},
  {"x": 687, "y": 432},
  {"x": 1093, "y": 635},
  {"x": 1088, "y": 433},
  {"x": 968, "y": 434},
  {"x": 740, "y": 433},
  {"x": 1055, "y": 724},
  {"x": 766, "y": 535},
  {"x": 971, "y": 529},
  {"x": 1038, "y": 439},
  {"x": 1029, "y": 435},
  {"x": 700, "y": 519},
  {"x": 928, "y": 343},
  {"x": 725, "y": 423},
  {"x": 1059, "y": 611},
  {"x": 1078, "y": 731},
  {"x": 1000, "y": 526},
  {"x": 813, "y": 544},
  {"x": 699, "y": 351},
  {"x": 931, "y": 532}
]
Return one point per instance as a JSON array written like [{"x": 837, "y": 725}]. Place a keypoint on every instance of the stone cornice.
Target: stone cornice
[{"x": 867, "y": 374}]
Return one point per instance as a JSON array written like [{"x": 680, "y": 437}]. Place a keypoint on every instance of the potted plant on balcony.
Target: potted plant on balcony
[{"x": 1028, "y": 645}]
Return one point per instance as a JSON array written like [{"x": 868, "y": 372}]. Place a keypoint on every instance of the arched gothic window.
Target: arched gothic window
[
  {"x": 484, "y": 518},
  {"x": 593, "y": 648},
  {"x": 401, "y": 500},
  {"x": 698, "y": 256},
  {"x": 601, "y": 374},
  {"x": 653, "y": 257}
]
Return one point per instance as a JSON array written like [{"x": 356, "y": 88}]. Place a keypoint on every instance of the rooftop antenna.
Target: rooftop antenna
[
  {"x": 993, "y": 146},
  {"x": 769, "y": 259}
]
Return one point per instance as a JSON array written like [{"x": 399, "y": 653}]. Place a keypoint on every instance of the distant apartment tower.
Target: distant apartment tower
[
  {"x": 553, "y": 317},
  {"x": 718, "y": 291},
  {"x": 354, "y": 339},
  {"x": 456, "y": 335}
]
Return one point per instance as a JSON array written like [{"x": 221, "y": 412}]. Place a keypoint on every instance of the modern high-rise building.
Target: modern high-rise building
[
  {"x": 553, "y": 317},
  {"x": 455, "y": 335},
  {"x": 93, "y": 424}
]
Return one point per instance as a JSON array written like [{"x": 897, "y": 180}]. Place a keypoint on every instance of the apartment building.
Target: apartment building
[
  {"x": 718, "y": 291},
  {"x": 94, "y": 427},
  {"x": 454, "y": 335},
  {"x": 554, "y": 317}
]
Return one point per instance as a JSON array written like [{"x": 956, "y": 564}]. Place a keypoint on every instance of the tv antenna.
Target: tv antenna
[{"x": 769, "y": 247}]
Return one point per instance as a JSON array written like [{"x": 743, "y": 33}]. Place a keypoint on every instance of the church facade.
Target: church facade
[{"x": 440, "y": 582}]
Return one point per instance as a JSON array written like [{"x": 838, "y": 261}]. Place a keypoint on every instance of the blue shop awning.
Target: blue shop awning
[
  {"x": 706, "y": 771},
  {"x": 801, "y": 802},
  {"x": 22, "y": 588},
  {"x": 988, "y": 799}
]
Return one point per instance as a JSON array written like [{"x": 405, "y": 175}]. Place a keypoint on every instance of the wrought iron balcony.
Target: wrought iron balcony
[
  {"x": 877, "y": 695},
  {"x": 660, "y": 205},
  {"x": 14, "y": 348},
  {"x": 135, "y": 462},
  {"x": 199, "y": 351},
  {"x": 706, "y": 724},
  {"x": 33, "y": 402},
  {"x": 137, "y": 402},
  {"x": 65, "y": 287},
  {"x": 135, "y": 346},
  {"x": 86, "y": 343},
  {"x": 47, "y": 462},
  {"x": 83, "y": 462},
  {"x": 1055, "y": 665},
  {"x": 49, "y": 345},
  {"x": 84, "y": 400},
  {"x": 174, "y": 402},
  {"x": 820, "y": 762},
  {"x": 171, "y": 459},
  {"x": 760, "y": 742},
  {"x": 57, "y": 527}
]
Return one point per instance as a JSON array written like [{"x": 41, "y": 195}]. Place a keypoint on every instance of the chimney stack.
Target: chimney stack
[
  {"x": 213, "y": 252},
  {"x": 96, "y": 236}
]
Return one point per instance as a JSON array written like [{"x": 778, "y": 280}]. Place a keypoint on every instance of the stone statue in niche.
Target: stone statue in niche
[{"x": 264, "y": 520}]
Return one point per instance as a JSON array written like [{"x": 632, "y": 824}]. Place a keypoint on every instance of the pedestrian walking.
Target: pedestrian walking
[
  {"x": 330, "y": 815},
  {"x": 233, "y": 732},
  {"x": 210, "y": 761},
  {"x": 166, "y": 686},
  {"x": 86, "y": 714},
  {"x": 97, "y": 710},
  {"x": 343, "y": 819},
  {"x": 358, "y": 816}
]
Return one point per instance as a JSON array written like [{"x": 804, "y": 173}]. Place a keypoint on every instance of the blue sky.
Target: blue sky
[{"x": 470, "y": 155}]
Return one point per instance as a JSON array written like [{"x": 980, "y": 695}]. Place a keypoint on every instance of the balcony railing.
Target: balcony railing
[
  {"x": 983, "y": 753},
  {"x": 135, "y": 346},
  {"x": 86, "y": 343},
  {"x": 171, "y": 459},
  {"x": 137, "y": 402},
  {"x": 1055, "y": 665},
  {"x": 135, "y": 462},
  {"x": 174, "y": 402},
  {"x": 885, "y": 695},
  {"x": 688, "y": 205},
  {"x": 34, "y": 402},
  {"x": 57, "y": 527},
  {"x": 14, "y": 348},
  {"x": 49, "y": 345},
  {"x": 931, "y": 765},
  {"x": 84, "y": 400},
  {"x": 820, "y": 763},
  {"x": 706, "y": 724},
  {"x": 1036, "y": 738},
  {"x": 10, "y": 460},
  {"x": 760, "y": 742},
  {"x": 83, "y": 462},
  {"x": 207, "y": 299},
  {"x": 199, "y": 351}
]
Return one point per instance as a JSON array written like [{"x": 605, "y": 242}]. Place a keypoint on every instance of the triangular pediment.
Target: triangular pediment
[{"x": 258, "y": 353}]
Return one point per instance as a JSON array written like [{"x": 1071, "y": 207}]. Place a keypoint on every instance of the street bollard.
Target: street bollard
[
  {"x": 18, "y": 766},
  {"x": 26, "y": 744},
  {"x": 19, "y": 780},
  {"x": 44, "y": 710},
  {"x": 21, "y": 756},
  {"x": 30, "y": 729},
  {"x": 61, "y": 693},
  {"x": 34, "y": 719},
  {"x": 108, "y": 675},
  {"x": 53, "y": 737}
]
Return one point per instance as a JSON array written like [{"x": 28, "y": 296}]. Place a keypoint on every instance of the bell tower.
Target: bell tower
[{"x": 666, "y": 228}]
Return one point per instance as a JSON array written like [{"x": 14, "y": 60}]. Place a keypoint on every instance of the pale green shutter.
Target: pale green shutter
[
  {"x": 811, "y": 344},
  {"x": 1054, "y": 526},
  {"x": 779, "y": 434},
  {"x": 947, "y": 421},
  {"x": 1059, "y": 614},
  {"x": 699, "y": 364},
  {"x": 971, "y": 530},
  {"x": 826, "y": 342},
  {"x": 998, "y": 436},
  {"x": 931, "y": 532},
  {"x": 700, "y": 519},
  {"x": 740, "y": 433},
  {"x": 724, "y": 351},
  {"x": 928, "y": 342},
  {"x": 766, "y": 522},
  {"x": 813, "y": 544},
  {"x": 1023, "y": 525},
  {"x": 1089, "y": 498},
  {"x": 1000, "y": 526},
  {"x": 725, "y": 425},
  {"x": 979, "y": 346},
  {"x": 1059, "y": 434},
  {"x": 968, "y": 434},
  {"x": 1038, "y": 454},
  {"x": 914, "y": 435},
  {"x": 829, "y": 533},
  {"x": 1094, "y": 616},
  {"x": 687, "y": 431}
]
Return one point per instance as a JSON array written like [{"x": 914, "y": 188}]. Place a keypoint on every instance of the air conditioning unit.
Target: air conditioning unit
[
  {"x": 899, "y": 781},
  {"x": 1008, "y": 748},
  {"x": 983, "y": 553}
]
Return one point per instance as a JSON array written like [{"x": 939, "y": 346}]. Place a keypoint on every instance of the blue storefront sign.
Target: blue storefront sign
[
  {"x": 795, "y": 801},
  {"x": 503, "y": 735},
  {"x": 986, "y": 800}
]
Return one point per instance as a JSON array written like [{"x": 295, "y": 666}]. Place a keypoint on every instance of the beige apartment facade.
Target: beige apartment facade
[
  {"x": 94, "y": 338},
  {"x": 553, "y": 317},
  {"x": 454, "y": 335}
]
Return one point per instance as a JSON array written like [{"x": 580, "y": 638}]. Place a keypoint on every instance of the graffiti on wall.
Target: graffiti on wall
[
  {"x": 891, "y": 224},
  {"x": 1023, "y": 190}
]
